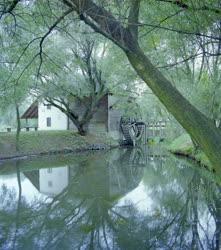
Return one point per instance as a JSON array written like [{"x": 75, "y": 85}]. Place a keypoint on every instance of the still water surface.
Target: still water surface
[{"x": 122, "y": 199}]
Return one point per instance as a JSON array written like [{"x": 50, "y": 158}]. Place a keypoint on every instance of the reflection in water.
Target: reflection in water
[
  {"x": 53, "y": 181},
  {"x": 123, "y": 199}
]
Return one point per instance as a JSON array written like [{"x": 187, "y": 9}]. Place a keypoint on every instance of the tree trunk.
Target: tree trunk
[
  {"x": 81, "y": 127},
  {"x": 200, "y": 128},
  {"x": 82, "y": 130},
  {"x": 18, "y": 129}
]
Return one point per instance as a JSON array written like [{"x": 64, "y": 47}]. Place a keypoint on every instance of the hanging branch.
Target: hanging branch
[
  {"x": 10, "y": 8},
  {"x": 181, "y": 4},
  {"x": 47, "y": 34}
]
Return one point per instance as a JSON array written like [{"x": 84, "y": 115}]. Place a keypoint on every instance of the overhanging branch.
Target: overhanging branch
[
  {"x": 103, "y": 22},
  {"x": 61, "y": 18},
  {"x": 9, "y": 8},
  {"x": 181, "y": 4},
  {"x": 185, "y": 32}
]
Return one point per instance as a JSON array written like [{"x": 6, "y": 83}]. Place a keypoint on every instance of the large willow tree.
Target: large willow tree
[{"x": 122, "y": 22}]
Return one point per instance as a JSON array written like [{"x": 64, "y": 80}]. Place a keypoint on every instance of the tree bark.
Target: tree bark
[
  {"x": 81, "y": 126},
  {"x": 82, "y": 130}
]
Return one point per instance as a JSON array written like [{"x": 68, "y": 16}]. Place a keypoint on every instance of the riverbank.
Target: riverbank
[
  {"x": 183, "y": 146},
  {"x": 51, "y": 142}
]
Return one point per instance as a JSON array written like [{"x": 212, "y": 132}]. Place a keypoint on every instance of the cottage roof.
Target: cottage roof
[{"x": 31, "y": 112}]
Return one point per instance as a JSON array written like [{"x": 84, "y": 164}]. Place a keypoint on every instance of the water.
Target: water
[{"x": 122, "y": 199}]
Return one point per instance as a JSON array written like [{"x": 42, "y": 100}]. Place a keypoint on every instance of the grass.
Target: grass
[
  {"x": 183, "y": 146},
  {"x": 40, "y": 142}
]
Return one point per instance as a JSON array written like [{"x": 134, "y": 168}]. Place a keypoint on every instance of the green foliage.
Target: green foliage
[
  {"x": 183, "y": 145},
  {"x": 183, "y": 142}
]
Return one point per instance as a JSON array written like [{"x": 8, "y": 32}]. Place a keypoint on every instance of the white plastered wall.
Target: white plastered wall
[{"x": 58, "y": 118}]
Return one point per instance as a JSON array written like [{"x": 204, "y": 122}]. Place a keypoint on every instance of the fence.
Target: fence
[{"x": 156, "y": 129}]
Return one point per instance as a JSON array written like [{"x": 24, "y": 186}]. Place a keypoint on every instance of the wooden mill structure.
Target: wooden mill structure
[{"x": 139, "y": 132}]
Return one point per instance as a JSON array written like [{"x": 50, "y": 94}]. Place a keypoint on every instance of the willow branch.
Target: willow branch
[
  {"x": 10, "y": 8},
  {"x": 61, "y": 18},
  {"x": 183, "y": 5}
]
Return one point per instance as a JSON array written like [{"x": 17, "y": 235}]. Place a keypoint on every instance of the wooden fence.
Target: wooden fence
[{"x": 156, "y": 129}]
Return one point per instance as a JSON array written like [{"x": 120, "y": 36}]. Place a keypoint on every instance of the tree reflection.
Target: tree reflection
[
  {"x": 18, "y": 204},
  {"x": 95, "y": 190},
  {"x": 185, "y": 209},
  {"x": 182, "y": 220}
]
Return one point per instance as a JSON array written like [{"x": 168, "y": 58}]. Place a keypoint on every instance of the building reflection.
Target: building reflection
[
  {"x": 53, "y": 181},
  {"x": 111, "y": 178},
  {"x": 50, "y": 181}
]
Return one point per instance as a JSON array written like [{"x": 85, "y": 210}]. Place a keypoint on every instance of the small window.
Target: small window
[
  {"x": 49, "y": 106},
  {"x": 48, "y": 121},
  {"x": 50, "y": 184}
]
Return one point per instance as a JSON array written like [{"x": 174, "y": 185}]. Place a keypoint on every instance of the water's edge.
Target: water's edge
[{"x": 91, "y": 147}]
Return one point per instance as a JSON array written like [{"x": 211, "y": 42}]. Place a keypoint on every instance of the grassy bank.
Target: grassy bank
[
  {"x": 43, "y": 142},
  {"x": 183, "y": 146}
]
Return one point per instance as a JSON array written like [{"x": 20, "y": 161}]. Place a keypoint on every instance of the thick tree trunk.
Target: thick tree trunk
[
  {"x": 200, "y": 128},
  {"x": 81, "y": 127},
  {"x": 82, "y": 130}
]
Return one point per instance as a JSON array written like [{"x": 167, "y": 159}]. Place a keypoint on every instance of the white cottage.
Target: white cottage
[
  {"x": 51, "y": 118},
  {"x": 106, "y": 119}
]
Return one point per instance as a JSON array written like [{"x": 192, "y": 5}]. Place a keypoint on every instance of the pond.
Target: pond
[{"x": 140, "y": 198}]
